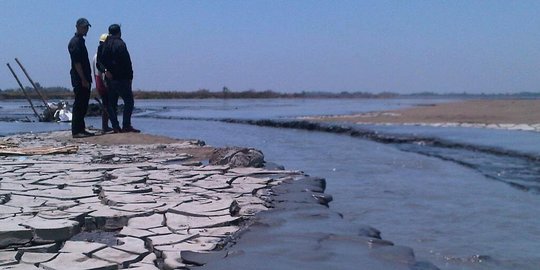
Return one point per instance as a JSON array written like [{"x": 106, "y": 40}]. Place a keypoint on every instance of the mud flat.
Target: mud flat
[
  {"x": 137, "y": 201},
  {"x": 143, "y": 202},
  {"x": 498, "y": 114}
]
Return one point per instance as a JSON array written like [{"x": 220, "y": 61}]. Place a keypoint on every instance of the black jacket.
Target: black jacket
[{"x": 115, "y": 58}]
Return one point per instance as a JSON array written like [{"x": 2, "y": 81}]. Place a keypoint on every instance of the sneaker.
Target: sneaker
[
  {"x": 130, "y": 129},
  {"x": 117, "y": 130}
]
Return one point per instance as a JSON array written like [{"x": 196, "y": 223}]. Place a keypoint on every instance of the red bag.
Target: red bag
[{"x": 100, "y": 86}]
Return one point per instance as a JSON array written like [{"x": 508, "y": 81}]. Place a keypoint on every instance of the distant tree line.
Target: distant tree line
[
  {"x": 59, "y": 93},
  {"x": 65, "y": 93},
  {"x": 227, "y": 94}
]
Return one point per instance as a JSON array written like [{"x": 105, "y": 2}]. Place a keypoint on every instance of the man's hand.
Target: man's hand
[{"x": 108, "y": 74}]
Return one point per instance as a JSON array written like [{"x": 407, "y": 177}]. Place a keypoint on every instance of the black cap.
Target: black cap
[
  {"x": 83, "y": 22},
  {"x": 114, "y": 29}
]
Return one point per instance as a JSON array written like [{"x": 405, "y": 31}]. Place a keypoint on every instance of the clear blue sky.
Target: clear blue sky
[{"x": 290, "y": 46}]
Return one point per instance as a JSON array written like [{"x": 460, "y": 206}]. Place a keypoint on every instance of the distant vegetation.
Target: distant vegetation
[
  {"x": 227, "y": 94},
  {"x": 58, "y": 93},
  {"x": 65, "y": 93}
]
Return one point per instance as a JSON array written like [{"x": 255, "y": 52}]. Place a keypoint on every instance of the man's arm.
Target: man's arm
[
  {"x": 100, "y": 65},
  {"x": 127, "y": 61},
  {"x": 79, "y": 69},
  {"x": 105, "y": 60}
]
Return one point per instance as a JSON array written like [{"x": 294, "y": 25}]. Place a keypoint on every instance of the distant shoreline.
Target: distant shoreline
[{"x": 59, "y": 93}]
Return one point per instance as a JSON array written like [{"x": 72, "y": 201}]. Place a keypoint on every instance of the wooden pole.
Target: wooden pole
[
  {"x": 33, "y": 84},
  {"x": 22, "y": 88}
]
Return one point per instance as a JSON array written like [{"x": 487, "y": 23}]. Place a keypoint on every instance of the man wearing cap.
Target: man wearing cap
[
  {"x": 119, "y": 73},
  {"x": 81, "y": 78}
]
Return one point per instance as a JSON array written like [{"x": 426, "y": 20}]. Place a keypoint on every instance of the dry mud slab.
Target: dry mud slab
[{"x": 136, "y": 201}]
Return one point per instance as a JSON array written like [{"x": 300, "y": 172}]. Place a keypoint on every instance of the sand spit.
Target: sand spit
[{"x": 497, "y": 114}]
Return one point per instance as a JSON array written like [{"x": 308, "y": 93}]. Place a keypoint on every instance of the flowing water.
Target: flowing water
[{"x": 462, "y": 198}]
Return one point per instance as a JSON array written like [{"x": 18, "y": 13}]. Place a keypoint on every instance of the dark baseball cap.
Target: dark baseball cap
[{"x": 83, "y": 22}]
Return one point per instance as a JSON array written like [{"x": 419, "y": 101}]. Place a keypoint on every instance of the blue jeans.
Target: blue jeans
[{"x": 120, "y": 88}]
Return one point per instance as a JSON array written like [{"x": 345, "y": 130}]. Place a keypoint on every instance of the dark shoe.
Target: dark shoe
[
  {"x": 117, "y": 130},
  {"x": 88, "y": 134},
  {"x": 107, "y": 130},
  {"x": 83, "y": 134},
  {"x": 130, "y": 129}
]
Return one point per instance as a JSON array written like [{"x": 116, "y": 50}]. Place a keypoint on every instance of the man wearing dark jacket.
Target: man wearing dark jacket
[
  {"x": 119, "y": 73},
  {"x": 81, "y": 78}
]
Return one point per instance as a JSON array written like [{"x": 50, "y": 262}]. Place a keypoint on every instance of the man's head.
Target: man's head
[
  {"x": 114, "y": 30},
  {"x": 82, "y": 26}
]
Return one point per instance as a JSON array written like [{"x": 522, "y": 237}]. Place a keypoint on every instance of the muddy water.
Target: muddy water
[
  {"x": 452, "y": 215},
  {"x": 458, "y": 207}
]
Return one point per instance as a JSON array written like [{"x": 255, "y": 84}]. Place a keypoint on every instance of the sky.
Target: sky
[{"x": 399, "y": 46}]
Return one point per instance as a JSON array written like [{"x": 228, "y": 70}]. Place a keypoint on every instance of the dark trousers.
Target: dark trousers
[
  {"x": 120, "y": 88},
  {"x": 80, "y": 106}
]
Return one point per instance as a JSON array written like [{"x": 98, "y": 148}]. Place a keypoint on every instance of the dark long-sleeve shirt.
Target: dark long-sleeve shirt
[
  {"x": 115, "y": 58},
  {"x": 79, "y": 54}
]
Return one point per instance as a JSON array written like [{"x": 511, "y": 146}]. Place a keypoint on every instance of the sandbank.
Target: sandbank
[{"x": 479, "y": 112}]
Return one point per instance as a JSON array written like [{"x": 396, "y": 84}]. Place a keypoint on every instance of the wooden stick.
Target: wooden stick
[
  {"x": 26, "y": 95},
  {"x": 44, "y": 150},
  {"x": 33, "y": 84}
]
